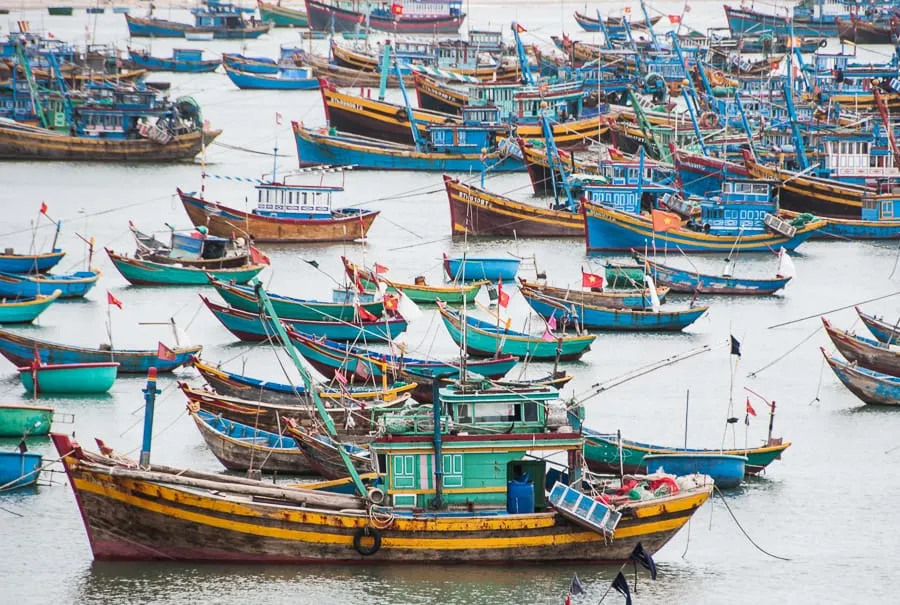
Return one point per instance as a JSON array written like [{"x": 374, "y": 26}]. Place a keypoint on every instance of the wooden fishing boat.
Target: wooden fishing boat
[
  {"x": 476, "y": 212},
  {"x": 25, "y": 420},
  {"x": 354, "y": 417},
  {"x": 341, "y": 76},
  {"x": 19, "y": 469},
  {"x": 419, "y": 292},
  {"x": 486, "y": 339},
  {"x": 21, "y": 350},
  {"x": 23, "y": 142},
  {"x": 245, "y": 299},
  {"x": 183, "y": 60},
  {"x": 240, "y": 447},
  {"x": 327, "y": 16},
  {"x": 469, "y": 268},
  {"x": 286, "y": 78},
  {"x": 604, "y": 453},
  {"x": 281, "y": 16},
  {"x": 221, "y": 27},
  {"x": 10, "y": 262},
  {"x": 256, "y": 65},
  {"x": 867, "y": 32},
  {"x": 68, "y": 378},
  {"x": 322, "y": 453},
  {"x": 248, "y": 326},
  {"x": 883, "y": 331},
  {"x": 726, "y": 470},
  {"x": 869, "y": 386},
  {"x": 147, "y": 273},
  {"x": 25, "y": 310},
  {"x": 610, "y": 299},
  {"x": 870, "y": 354},
  {"x": 231, "y": 384},
  {"x": 592, "y": 24},
  {"x": 686, "y": 281},
  {"x": 74, "y": 285},
  {"x": 194, "y": 248},
  {"x": 601, "y": 318},
  {"x": 545, "y": 179}
]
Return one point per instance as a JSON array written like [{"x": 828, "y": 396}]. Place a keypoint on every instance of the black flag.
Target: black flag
[
  {"x": 23, "y": 447},
  {"x": 735, "y": 346},
  {"x": 621, "y": 586},
  {"x": 639, "y": 555},
  {"x": 312, "y": 262},
  {"x": 576, "y": 587}
]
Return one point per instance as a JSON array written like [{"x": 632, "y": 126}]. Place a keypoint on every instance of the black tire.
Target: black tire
[
  {"x": 823, "y": 43},
  {"x": 367, "y": 532}
]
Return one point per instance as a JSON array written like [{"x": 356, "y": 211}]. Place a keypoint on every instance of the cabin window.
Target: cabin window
[
  {"x": 405, "y": 472},
  {"x": 453, "y": 470},
  {"x": 497, "y": 412},
  {"x": 531, "y": 411}
]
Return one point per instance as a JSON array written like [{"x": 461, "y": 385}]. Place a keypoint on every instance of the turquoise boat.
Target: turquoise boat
[
  {"x": 25, "y": 310},
  {"x": 73, "y": 285},
  {"x": 25, "y": 420},
  {"x": 249, "y": 327},
  {"x": 69, "y": 377},
  {"x": 473, "y": 268},
  {"x": 286, "y": 78},
  {"x": 148, "y": 273},
  {"x": 245, "y": 299},
  {"x": 281, "y": 16},
  {"x": 486, "y": 339},
  {"x": 19, "y": 469},
  {"x": 726, "y": 470}
]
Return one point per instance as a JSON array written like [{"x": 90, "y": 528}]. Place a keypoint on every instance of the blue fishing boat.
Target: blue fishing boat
[
  {"x": 726, "y": 470},
  {"x": 95, "y": 10},
  {"x": 249, "y": 327},
  {"x": 601, "y": 318},
  {"x": 121, "y": 10},
  {"x": 10, "y": 262},
  {"x": 883, "y": 331},
  {"x": 286, "y": 78},
  {"x": 25, "y": 310},
  {"x": 183, "y": 60},
  {"x": 254, "y": 65},
  {"x": 19, "y": 469},
  {"x": 221, "y": 19},
  {"x": 692, "y": 281},
  {"x": 473, "y": 268},
  {"x": 21, "y": 350},
  {"x": 868, "y": 385},
  {"x": 73, "y": 285}
]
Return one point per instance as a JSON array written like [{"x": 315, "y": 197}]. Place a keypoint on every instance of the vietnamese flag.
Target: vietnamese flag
[
  {"x": 520, "y": 29},
  {"x": 591, "y": 280},
  {"x": 257, "y": 257},
  {"x": 502, "y": 297},
  {"x": 750, "y": 409},
  {"x": 665, "y": 221},
  {"x": 674, "y": 19},
  {"x": 43, "y": 207},
  {"x": 112, "y": 300},
  {"x": 165, "y": 353},
  {"x": 379, "y": 269}
]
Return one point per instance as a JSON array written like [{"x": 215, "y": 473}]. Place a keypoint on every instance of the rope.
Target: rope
[
  {"x": 743, "y": 531},
  {"x": 777, "y": 359}
]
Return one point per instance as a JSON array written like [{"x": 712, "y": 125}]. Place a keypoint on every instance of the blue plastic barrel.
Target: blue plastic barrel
[{"x": 519, "y": 497}]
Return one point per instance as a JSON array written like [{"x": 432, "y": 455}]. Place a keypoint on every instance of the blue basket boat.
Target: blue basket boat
[
  {"x": 19, "y": 469},
  {"x": 472, "y": 268},
  {"x": 726, "y": 470}
]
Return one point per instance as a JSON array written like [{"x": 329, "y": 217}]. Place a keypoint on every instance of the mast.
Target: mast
[
  {"x": 413, "y": 124},
  {"x": 691, "y": 99},
  {"x": 552, "y": 160},
  {"x": 32, "y": 86},
  {"x": 653, "y": 38},
  {"x": 795, "y": 128},
  {"x": 885, "y": 118},
  {"x": 607, "y": 40},
  {"x": 385, "y": 70},
  {"x": 524, "y": 66},
  {"x": 644, "y": 123},
  {"x": 61, "y": 84}
]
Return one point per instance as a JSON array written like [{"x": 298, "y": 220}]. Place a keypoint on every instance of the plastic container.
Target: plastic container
[{"x": 519, "y": 497}]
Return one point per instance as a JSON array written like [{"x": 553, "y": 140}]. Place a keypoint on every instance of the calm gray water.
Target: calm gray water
[{"x": 819, "y": 506}]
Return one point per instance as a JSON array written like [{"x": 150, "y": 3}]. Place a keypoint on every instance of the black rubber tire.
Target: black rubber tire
[{"x": 362, "y": 532}]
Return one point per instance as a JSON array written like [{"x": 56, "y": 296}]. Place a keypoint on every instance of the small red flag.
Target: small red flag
[
  {"x": 43, "y": 207},
  {"x": 379, "y": 269},
  {"x": 339, "y": 376},
  {"x": 674, "y": 19},
  {"x": 397, "y": 8},
  {"x": 520, "y": 29},
  {"x": 112, "y": 300},
  {"x": 257, "y": 257},
  {"x": 750, "y": 409},
  {"x": 165, "y": 353},
  {"x": 502, "y": 297},
  {"x": 365, "y": 315},
  {"x": 391, "y": 303},
  {"x": 591, "y": 280}
]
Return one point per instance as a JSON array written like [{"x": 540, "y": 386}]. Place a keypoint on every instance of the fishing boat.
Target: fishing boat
[
  {"x": 232, "y": 384},
  {"x": 21, "y": 350},
  {"x": 245, "y": 298},
  {"x": 408, "y": 18},
  {"x": 473, "y": 268},
  {"x": 355, "y": 417},
  {"x": 612, "y": 24},
  {"x": 807, "y": 18},
  {"x": 601, "y": 318},
  {"x": 183, "y": 60},
  {"x": 476, "y": 212},
  {"x": 858, "y": 31},
  {"x": 691, "y": 281},
  {"x": 485, "y": 339},
  {"x": 322, "y": 453},
  {"x": 883, "y": 331},
  {"x": 25, "y": 310},
  {"x": 341, "y": 76},
  {"x": 286, "y": 78},
  {"x": 19, "y": 468},
  {"x": 418, "y": 292},
  {"x": 121, "y": 10},
  {"x": 68, "y": 378},
  {"x": 60, "y": 11},
  {"x": 194, "y": 248},
  {"x": 285, "y": 212},
  {"x": 869, "y": 354},
  {"x": 10, "y": 262},
  {"x": 256, "y": 65},
  {"x": 147, "y": 273},
  {"x": 219, "y": 19},
  {"x": 868, "y": 385},
  {"x": 25, "y": 420},
  {"x": 726, "y": 470},
  {"x": 281, "y": 16},
  {"x": 240, "y": 447},
  {"x": 95, "y": 10},
  {"x": 248, "y": 326},
  {"x": 610, "y": 299},
  {"x": 73, "y": 285},
  {"x": 607, "y": 453}
]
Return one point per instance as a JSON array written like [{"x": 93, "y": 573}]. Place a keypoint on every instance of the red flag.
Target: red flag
[
  {"x": 43, "y": 208},
  {"x": 591, "y": 280},
  {"x": 391, "y": 303},
  {"x": 379, "y": 269},
  {"x": 397, "y": 8},
  {"x": 165, "y": 353},
  {"x": 361, "y": 370},
  {"x": 502, "y": 297},
  {"x": 674, "y": 19},
  {"x": 339, "y": 376},
  {"x": 520, "y": 29},
  {"x": 750, "y": 409},
  {"x": 365, "y": 315},
  {"x": 257, "y": 257},
  {"x": 627, "y": 10},
  {"x": 665, "y": 221},
  {"x": 112, "y": 300}
]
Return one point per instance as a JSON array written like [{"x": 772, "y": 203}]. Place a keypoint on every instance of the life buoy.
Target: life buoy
[
  {"x": 364, "y": 533},
  {"x": 823, "y": 43},
  {"x": 709, "y": 120},
  {"x": 401, "y": 115}
]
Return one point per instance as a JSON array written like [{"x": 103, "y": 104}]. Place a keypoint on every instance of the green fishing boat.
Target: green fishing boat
[
  {"x": 419, "y": 292},
  {"x": 281, "y": 16},
  {"x": 485, "y": 339},
  {"x": 148, "y": 273},
  {"x": 25, "y": 420},
  {"x": 69, "y": 377}
]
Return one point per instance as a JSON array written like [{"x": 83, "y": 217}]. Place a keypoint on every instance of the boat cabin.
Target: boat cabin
[
  {"x": 198, "y": 244},
  {"x": 477, "y": 132},
  {"x": 218, "y": 15},
  {"x": 281, "y": 200},
  {"x": 187, "y": 55},
  {"x": 625, "y": 186},
  {"x": 742, "y": 207},
  {"x": 858, "y": 158},
  {"x": 486, "y": 41}
]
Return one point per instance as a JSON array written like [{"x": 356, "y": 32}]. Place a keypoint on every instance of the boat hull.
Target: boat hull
[
  {"x": 146, "y": 273},
  {"x": 869, "y": 354},
  {"x": 25, "y": 420},
  {"x": 139, "y": 27},
  {"x": 151, "y": 63},
  {"x": 679, "y": 280},
  {"x": 281, "y": 16},
  {"x": 478, "y": 269},
  {"x": 25, "y": 311},
  {"x": 28, "y": 263},
  {"x": 847, "y": 228},
  {"x": 76, "y": 285},
  {"x": 871, "y": 387},
  {"x": 726, "y": 470},
  {"x": 324, "y": 17},
  {"x": 70, "y": 378},
  {"x": 880, "y": 329},
  {"x": 246, "y": 80},
  {"x": 19, "y": 470},
  {"x": 747, "y": 22},
  {"x": 295, "y": 309}
]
